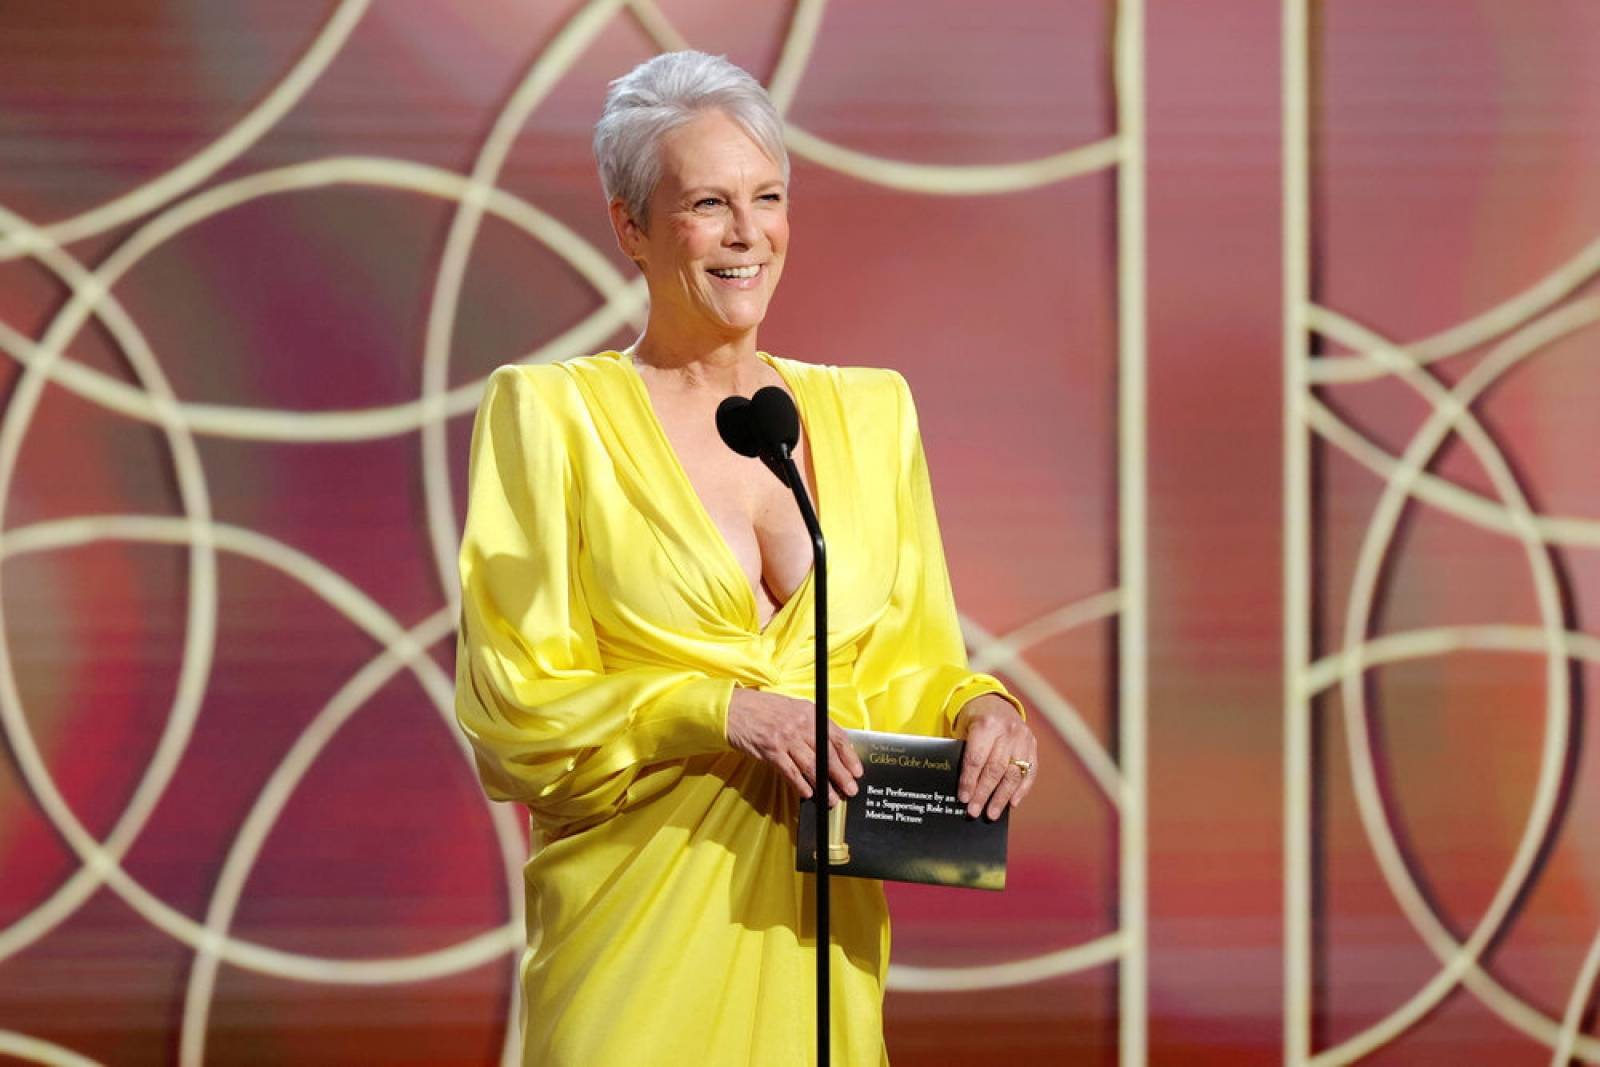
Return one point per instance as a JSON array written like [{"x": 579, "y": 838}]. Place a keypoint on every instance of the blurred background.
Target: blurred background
[{"x": 1260, "y": 399}]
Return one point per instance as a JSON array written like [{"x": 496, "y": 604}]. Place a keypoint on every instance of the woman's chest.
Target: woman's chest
[
  {"x": 719, "y": 545},
  {"x": 750, "y": 510}
]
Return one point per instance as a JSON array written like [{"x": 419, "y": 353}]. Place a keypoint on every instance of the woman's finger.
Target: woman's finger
[
  {"x": 979, "y": 743},
  {"x": 802, "y": 773},
  {"x": 989, "y": 778},
  {"x": 807, "y": 762},
  {"x": 1011, "y": 780},
  {"x": 837, "y": 775},
  {"x": 839, "y": 772},
  {"x": 847, "y": 751},
  {"x": 792, "y": 773},
  {"x": 1033, "y": 771}
]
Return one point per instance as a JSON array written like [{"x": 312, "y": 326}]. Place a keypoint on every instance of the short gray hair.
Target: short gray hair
[{"x": 658, "y": 96}]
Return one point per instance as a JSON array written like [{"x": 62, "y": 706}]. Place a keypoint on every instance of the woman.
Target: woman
[{"x": 636, "y": 646}]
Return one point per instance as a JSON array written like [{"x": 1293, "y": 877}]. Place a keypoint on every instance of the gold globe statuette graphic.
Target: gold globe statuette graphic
[{"x": 838, "y": 849}]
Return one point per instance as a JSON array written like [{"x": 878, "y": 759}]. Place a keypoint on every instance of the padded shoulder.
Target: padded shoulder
[{"x": 873, "y": 395}]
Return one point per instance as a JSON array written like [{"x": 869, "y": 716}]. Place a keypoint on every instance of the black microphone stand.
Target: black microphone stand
[
  {"x": 768, "y": 425},
  {"x": 819, "y": 587}
]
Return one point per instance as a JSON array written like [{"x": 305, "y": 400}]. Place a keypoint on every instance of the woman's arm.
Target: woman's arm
[{"x": 550, "y": 727}]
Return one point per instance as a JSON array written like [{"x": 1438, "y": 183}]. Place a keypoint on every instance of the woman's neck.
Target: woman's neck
[{"x": 722, "y": 365}]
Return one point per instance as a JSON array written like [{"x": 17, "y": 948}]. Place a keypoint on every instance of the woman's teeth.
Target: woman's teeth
[{"x": 737, "y": 272}]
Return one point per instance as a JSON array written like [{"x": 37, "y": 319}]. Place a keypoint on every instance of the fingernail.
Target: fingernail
[
  {"x": 963, "y": 796},
  {"x": 972, "y": 811},
  {"x": 850, "y": 788}
]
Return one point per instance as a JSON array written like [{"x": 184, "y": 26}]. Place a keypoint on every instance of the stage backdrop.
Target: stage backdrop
[{"x": 1295, "y": 591}]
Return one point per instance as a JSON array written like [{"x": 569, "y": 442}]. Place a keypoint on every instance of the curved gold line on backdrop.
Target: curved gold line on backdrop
[
  {"x": 1582, "y": 993},
  {"x": 210, "y": 159},
  {"x": 1480, "y": 329},
  {"x": 37, "y": 1050}
]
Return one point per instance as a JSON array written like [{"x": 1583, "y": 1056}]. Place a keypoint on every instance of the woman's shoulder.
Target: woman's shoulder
[
  {"x": 555, "y": 374},
  {"x": 863, "y": 390},
  {"x": 557, "y": 385},
  {"x": 524, "y": 376},
  {"x": 545, "y": 397}
]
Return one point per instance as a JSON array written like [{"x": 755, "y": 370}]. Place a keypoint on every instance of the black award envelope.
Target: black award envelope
[{"x": 905, "y": 823}]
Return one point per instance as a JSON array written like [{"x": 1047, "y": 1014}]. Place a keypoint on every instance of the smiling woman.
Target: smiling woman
[{"x": 634, "y": 663}]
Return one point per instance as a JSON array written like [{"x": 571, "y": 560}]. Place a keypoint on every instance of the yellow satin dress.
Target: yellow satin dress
[{"x": 605, "y": 623}]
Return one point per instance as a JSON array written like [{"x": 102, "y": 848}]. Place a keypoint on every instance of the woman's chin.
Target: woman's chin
[{"x": 737, "y": 321}]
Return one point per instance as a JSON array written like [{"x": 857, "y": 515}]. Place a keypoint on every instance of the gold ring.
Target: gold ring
[{"x": 1023, "y": 765}]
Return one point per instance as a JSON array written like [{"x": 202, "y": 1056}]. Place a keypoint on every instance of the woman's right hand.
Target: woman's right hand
[{"x": 782, "y": 731}]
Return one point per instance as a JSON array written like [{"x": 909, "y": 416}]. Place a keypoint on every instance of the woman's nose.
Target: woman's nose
[{"x": 742, "y": 229}]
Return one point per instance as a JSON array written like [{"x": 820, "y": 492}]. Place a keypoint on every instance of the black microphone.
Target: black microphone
[
  {"x": 774, "y": 419},
  {"x": 733, "y": 424},
  {"x": 765, "y": 425}
]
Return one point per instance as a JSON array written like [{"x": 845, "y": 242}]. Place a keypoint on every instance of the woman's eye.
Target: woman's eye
[
  {"x": 774, "y": 197},
  {"x": 709, "y": 201}
]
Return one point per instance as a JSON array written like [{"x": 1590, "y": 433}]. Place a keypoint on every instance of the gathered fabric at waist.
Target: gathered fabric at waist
[{"x": 791, "y": 675}]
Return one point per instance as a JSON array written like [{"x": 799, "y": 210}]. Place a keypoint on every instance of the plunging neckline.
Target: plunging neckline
[{"x": 681, "y": 473}]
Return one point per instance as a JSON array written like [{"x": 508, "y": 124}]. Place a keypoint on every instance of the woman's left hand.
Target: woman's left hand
[{"x": 1002, "y": 756}]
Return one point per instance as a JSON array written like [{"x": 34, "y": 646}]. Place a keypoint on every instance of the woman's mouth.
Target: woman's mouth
[{"x": 737, "y": 277}]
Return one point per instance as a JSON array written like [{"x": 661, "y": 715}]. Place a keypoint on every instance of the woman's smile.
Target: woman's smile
[{"x": 736, "y": 277}]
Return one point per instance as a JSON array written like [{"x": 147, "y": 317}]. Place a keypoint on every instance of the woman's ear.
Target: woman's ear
[{"x": 630, "y": 235}]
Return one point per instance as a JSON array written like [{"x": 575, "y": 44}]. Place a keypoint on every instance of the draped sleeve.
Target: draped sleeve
[
  {"x": 549, "y": 725},
  {"x": 911, "y": 668}
]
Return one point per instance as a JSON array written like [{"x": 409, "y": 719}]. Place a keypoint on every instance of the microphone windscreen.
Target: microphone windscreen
[
  {"x": 736, "y": 427},
  {"x": 774, "y": 419}
]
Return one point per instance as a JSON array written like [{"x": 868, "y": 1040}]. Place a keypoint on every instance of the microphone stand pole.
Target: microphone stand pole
[{"x": 819, "y": 586}]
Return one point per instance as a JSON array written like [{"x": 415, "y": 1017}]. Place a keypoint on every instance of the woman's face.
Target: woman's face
[{"x": 720, "y": 206}]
